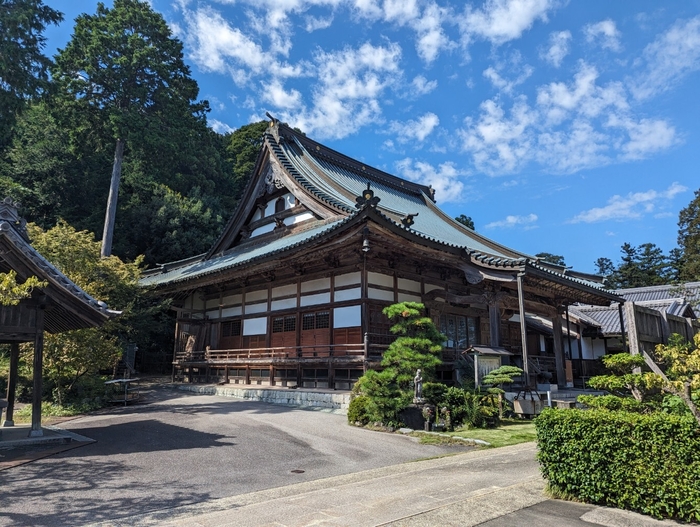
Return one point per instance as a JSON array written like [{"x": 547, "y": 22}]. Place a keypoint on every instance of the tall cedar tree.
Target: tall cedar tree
[
  {"x": 124, "y": 64},
  {"x": 23, "y": 66},
  {"x": 689, "y": 240}
]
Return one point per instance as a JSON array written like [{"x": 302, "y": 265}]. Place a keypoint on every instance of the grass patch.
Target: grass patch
[
  {"x": 439, "y": 440},
  {"x": 508, "y": 432},
  {"x": 48, "y": 410}
]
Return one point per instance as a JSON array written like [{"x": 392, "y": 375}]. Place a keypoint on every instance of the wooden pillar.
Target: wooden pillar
[
  {"x": 632, "y": 334},
  {"x": 523, "y": 329},
  {"x": 559, "y": 351},
  {"x": 12, "y": 385},
  {"x": 494, "y": 324},
  {"x": 38, "y": 367}
]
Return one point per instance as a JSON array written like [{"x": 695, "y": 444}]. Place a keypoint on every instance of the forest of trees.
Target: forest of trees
[{"x": 115, "y": 97}]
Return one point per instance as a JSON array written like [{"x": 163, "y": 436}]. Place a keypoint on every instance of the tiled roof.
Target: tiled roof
[
  {"x": 690, "y": 291},
  {"x": 237, "y": 256},
  {"x": 84, "y": 311}
]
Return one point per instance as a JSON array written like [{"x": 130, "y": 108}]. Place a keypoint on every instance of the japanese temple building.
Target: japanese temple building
[{"x": 292, "y": 292}]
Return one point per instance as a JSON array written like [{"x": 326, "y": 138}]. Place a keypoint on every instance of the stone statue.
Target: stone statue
[{"x": 418, "y": 388}]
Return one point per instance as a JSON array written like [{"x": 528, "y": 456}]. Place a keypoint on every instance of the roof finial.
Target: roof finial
[
  {"x": 273, "y": 121},
  {"x": 9, "y": 212},
  {"x": 367, "y": 198}
]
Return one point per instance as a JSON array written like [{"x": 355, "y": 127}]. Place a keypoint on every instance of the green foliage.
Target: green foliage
[
  {"x": 614, "y": 402},
  {"x": 502, "y": 375},
  {"x": 622, "y": 381},
  {"x": 242, "y": 149},
  {"x": 682, "y": 359},
  {"x": 358, "y": 410},
  {"x": 467, "y": 221},
  {"x": 641, "y": 266},
  {"x": 11, "y": 293},
  {"x": 417, "y": 347},
  {"x": 434, "y": 392},
  {"x": 689, "y": 240},
  {"x": 645, "y": 463},
  {"x": 23, "y": 66}
]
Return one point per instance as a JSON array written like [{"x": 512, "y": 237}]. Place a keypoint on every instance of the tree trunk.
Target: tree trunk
[{"x": 108, "y": 232}]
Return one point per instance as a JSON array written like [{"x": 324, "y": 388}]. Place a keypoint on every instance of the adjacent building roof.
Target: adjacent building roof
[
  {"x": 70, "y": 306},
  {"x": 690, "y": 292}
]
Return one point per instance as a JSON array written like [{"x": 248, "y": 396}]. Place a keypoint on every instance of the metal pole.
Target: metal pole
[{"x": 36, "y": 430}]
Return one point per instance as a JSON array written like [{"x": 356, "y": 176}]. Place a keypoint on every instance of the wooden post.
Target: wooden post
[
  {"x": 38, "y": 365},
  {"x": 12, "y": 385},
  {"x": 111, "y": 213},
  {"x": 523, "y": 329},
  {"x": 632, "y": 333},
  {"x": 622, "y": 329},
  {"x": 494, "y": 324},
  {"x": 559, "y": 351}
]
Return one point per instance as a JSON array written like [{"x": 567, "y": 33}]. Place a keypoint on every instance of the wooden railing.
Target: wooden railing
[{"x": 279, "y": 353}]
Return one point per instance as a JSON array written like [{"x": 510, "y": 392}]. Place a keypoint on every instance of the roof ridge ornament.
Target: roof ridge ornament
[
  {"x": 367, "y": 198},
  {"x": 408, "y": 220},
  {"x": 9, "y": 212}
]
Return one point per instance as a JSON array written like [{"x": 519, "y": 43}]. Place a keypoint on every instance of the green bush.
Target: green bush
[
  {"x": 649, "y": 463},
  {"x": 358, "y": 410},
  {"x": 434, "y": 392}
]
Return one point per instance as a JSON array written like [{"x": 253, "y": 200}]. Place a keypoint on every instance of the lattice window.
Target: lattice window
[{"x": 231, "y": 328}]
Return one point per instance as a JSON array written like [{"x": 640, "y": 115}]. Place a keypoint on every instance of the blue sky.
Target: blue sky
[{"x": 563, "y": 127}]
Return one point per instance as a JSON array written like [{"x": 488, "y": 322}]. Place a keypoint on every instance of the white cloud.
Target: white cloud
[
  {"x": 444, "y": 179},
  {"x": 415, "y": 130},
  {"x": 219, "y": 127},
  {"x": 315, "y": 23},
  {"x": 500, "y": 21},
  {"x": 572, "y": 126},
  {"x": 350, "y": 84},
  {"x": 431, "y": 37},
  {"x": 672, "y": 56},
  {"x": 513, "y": 221},
  {"x": 633, "y": 206},
  {"x": 559, "y": 42},
  {"x": 421, "y": 85},
  {"x": 274, "y": 93},
  {"x": 218, "y": 47},
  {"x": 507, "y": 85},
  {"x": 605, "y": 33}
]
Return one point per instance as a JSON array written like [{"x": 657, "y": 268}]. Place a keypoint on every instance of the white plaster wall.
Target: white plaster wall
[
  {"x": 380, "y": 279},
  {"x": 433, "y": 287},
  {"x": 197, "y": 303},
  {"x": 254, "y": 296},
  {"x": 409, "y": 285},
  {"x": 298, "y": 218},
  {"x": 263, "y": 229},
  {"x": 214, "y": 314},
  {"x": 316, "y": 285},
  {"x": 380, "y": 294},
  {"x": 284, "y": 290},
  {"x": 542, "y": 344},
  {"x": 260, "y": 307},
  {"x": 347, "y": 317},
  {"x": 347, "y": 279},
  {"x": 287, "y": 303},
  {"x": 598, "y": 348},
  {"x": 213, "y": 303},
  {"x": 312, "y": 300},
  {"x": 592, "y": 348},
  {"x": 405, "y": 297},
  {"x": 232, "y": 311},
  {"x": 255, "y": 326},
  {"x": 232, "y": 300},
  {"x": 348, "y": 294}
]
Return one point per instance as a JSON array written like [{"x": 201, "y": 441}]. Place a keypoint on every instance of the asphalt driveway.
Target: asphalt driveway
[{"x": 177, "y": 449}]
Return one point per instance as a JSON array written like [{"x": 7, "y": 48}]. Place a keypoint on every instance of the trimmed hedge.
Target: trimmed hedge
[{"x": 645, "y": 463}]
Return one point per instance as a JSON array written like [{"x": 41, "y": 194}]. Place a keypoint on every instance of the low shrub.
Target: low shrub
[
  {"x": 649, "y": 463},
  {"x": 358, "y": 410}
]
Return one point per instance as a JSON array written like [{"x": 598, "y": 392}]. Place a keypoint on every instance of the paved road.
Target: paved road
[
  {"x": 179, "y": 449},
  {"x": 186, "y": 460}
]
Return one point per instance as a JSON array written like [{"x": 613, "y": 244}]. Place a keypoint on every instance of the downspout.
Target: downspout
[{"x": 622, "y": 327}]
